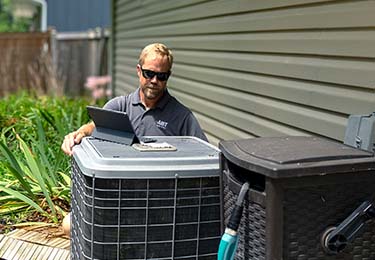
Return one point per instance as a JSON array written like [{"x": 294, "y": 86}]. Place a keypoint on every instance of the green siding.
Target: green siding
[{"x": 253, "y": 67}]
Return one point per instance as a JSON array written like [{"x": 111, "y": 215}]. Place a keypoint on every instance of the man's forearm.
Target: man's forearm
[{"x": 86, "y": 129}]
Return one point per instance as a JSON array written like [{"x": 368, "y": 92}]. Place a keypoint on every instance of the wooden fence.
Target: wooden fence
[
  {"x": 50, "y": 62},
  {"x": 79, "y": 55},
  {"x": 26, "y": 63}
]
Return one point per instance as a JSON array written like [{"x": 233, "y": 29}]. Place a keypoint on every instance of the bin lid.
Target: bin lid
[
  {"x": 292, "y": 156},
  {"x": 192, "y": 157}
]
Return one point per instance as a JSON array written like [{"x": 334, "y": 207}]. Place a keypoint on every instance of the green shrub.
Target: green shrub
[{"x": 34, "y": 172}]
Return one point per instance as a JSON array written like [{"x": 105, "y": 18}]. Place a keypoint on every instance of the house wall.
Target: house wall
[
  {"x": 256, "y": 68},
  {"x": 81, "y": 15}
]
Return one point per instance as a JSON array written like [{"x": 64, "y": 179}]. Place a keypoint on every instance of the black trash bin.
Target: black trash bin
[{"x": 300, "y": 187}]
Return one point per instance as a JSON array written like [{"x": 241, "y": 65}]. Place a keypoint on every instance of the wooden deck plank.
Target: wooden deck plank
[
  {"x": 14, "y": 250},
  {"x": 37, "y": 253},
  {"x": 41, "y": 238},
  {"x": 65, "y": 255},
  {"x": 22, "y": 252},
  {"x": 41, "y": 253},
  {"x": 4, "y": 246},
  {"x": 53, "y": 254},
  {"x": 10, "y": 248},
  {"x": 46, "y": 253},
  {"x": 18, "y": 253},
  {"x": 60, "y": 255},
  {"x": 29, "y": 251},
  {"x": 2, "y": 241},
  {"x": 61, "y": 243}
]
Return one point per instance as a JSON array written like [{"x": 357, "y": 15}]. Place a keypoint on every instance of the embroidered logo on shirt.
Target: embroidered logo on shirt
[{"x": 161, "y": 124}]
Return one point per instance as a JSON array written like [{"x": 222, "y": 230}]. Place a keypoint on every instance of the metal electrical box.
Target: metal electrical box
[
  {"x": 131, "y": 204},
  {"x": 360, "y": 132},
  {"x": 299, "y": 188}
]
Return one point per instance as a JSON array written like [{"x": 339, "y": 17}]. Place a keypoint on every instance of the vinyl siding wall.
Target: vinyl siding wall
[{"x": 256, "y": 68}]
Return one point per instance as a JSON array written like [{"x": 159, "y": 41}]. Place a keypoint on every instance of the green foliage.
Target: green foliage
[
  {"x": 8, "y": 23},
  {"x": 34, "y": 172}
]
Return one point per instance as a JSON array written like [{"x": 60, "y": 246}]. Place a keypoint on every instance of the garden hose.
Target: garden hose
[{"x": 229, "y": 241}]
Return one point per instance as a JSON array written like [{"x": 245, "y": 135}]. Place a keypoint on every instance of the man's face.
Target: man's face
[{"x": 153, "y": 88}]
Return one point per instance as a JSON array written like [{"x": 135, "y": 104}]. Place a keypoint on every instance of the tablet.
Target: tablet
[{"x": 111, "y": 125}]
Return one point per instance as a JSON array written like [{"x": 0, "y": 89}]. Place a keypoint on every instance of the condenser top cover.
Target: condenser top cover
[{"x": 191, "y": 157}]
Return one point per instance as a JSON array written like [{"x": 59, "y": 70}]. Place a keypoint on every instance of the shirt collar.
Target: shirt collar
[{"x": 136, "y": 99}]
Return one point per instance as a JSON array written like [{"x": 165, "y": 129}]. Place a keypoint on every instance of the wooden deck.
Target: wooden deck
[{"x": 32, "y": 245}]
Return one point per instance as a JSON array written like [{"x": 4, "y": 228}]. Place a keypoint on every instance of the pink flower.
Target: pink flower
[{"x": 99, "y": 86}]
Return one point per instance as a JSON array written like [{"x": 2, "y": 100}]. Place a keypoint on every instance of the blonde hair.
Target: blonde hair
[{"x": 156, "y": 48}]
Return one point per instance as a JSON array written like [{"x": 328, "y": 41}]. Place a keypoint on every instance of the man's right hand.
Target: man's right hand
[
  {"x": 70, "y": 140},
  {"x": 75, "y": 137}
]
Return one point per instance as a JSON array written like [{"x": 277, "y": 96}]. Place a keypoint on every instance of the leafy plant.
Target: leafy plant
[
  {"x": 9, "y": 23},
  {"x": 34, "y": 172},
  {"x": 34, "y": 185}
]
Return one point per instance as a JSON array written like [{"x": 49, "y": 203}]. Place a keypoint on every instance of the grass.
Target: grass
[{"x": 34, "y": 172}]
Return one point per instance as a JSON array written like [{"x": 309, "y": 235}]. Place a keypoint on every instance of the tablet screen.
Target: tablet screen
[{"x": 110, "y": 122}]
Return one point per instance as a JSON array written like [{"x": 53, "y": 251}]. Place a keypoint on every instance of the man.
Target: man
[{"x": 151, "y": 109}]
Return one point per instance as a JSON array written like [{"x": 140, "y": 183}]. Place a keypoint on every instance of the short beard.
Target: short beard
[{"x": 149, "y": 92}]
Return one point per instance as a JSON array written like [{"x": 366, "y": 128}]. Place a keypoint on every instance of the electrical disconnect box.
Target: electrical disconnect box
[{"x": 360, "y": 132}]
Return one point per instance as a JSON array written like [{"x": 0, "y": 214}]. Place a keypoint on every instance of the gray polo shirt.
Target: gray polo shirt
[{"x": 168, "y": 118}]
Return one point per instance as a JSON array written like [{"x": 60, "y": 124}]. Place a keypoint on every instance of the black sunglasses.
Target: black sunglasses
[{"x": 149, "y": 74}]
